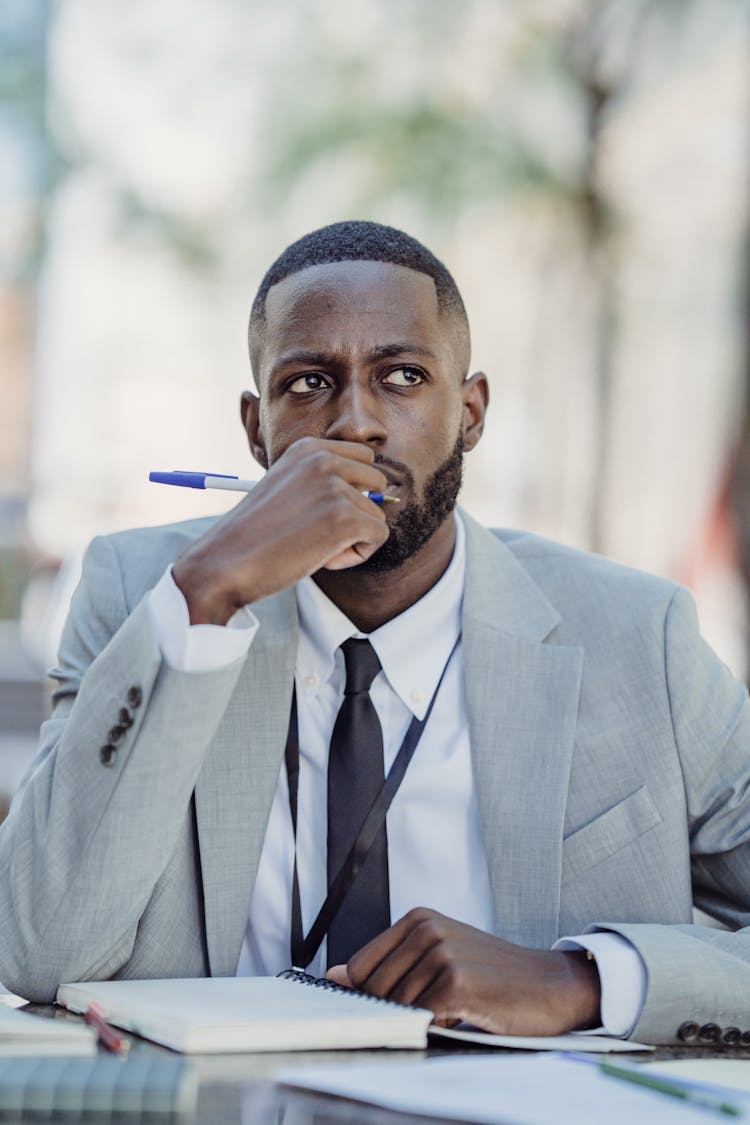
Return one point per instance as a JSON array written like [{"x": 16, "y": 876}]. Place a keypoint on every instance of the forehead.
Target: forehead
[{"x": 348, "y": 307}]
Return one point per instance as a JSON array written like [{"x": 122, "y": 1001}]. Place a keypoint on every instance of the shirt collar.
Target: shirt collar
[{"x": 413, "y": 648}]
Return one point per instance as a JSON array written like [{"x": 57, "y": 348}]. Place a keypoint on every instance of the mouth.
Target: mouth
[
  {"x": 395, "y": 478},
  {"x": 394, "y": 492}
]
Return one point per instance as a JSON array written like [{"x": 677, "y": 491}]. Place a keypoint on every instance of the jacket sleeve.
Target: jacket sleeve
[
  {"x": 97, "y": 817},
  {"x": 698, "y": 976}
]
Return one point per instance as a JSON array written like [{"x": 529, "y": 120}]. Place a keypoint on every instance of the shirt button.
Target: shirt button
[
  {"x": 417, "y": 696},
  {"x": 311, "y": 681}
]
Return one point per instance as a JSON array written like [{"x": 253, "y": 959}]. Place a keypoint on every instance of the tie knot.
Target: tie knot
[{"x": 362, "y": 665}]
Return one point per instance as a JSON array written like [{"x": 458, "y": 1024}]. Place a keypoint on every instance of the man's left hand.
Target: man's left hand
[{"x": 461, "y": 973}]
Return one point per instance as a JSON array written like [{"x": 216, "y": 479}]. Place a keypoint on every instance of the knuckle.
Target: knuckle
[
  {"x": 419, "y": 915},
  {"x": 339, "y": 521},
  {"x": 431, "y": 931},
  {"x": 302, "y": 448},
  {"x": 338, "y": 485},
  {"x": 307, "y": 442},
  {"x": 355, "y": 970},
  {"x": 318, "y": 460},
  {"x": 451, "y": 977}
]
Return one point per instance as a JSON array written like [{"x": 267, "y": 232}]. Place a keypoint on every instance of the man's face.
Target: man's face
[{"x": 358, "y": 351}]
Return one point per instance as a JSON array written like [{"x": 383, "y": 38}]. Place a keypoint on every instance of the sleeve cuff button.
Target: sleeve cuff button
[
  {"x": 709, "y": 1033},
  {"x": 688, "y": 1031}
]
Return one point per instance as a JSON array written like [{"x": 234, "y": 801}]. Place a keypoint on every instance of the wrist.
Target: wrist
[
  {"x": 207, "y": 602},
  {"x": 583, "y": 990}
]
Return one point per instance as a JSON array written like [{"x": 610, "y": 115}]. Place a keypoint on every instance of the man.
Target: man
[{"x": 583, "y": 765}]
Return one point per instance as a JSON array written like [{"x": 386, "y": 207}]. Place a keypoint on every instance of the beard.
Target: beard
[{"x": 419, "y": 520}]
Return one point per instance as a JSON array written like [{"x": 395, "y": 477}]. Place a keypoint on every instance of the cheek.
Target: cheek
[
  {"x": 281, "y": 429},
  {"x": 429, "y": 434}
]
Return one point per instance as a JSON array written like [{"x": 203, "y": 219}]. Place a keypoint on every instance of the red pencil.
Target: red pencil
[{"x": 107, "y": 1035}]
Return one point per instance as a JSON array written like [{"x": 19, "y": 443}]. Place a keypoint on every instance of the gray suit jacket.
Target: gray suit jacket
[{"x": 611, "y": 751}]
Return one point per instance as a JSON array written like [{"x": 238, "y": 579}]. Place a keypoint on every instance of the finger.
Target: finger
[
  {"x": 442, "y": 995},
  {"x": 409, "y": 971},
  {"x": 360, "y": 475},
  {"x": 347, "y": 559},
  {"x": 352, "y": 460},
  {"x": 322, "y": 472},
  {"x": 353, "y": 450},
  {"x": 339, "y": 975},
  {"x": 371, "y": 533},
  {"x": 391, "y": 954},
  {"x": 326, "y": 478}
]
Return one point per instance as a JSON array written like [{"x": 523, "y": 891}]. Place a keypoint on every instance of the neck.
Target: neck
[{"x": 370, "y": 600}]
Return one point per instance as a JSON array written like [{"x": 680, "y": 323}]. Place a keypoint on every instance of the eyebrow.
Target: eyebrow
[{"x": 325, "y": 359}]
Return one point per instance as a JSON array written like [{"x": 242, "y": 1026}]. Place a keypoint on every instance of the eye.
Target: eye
[
  {"x": 404, "y": 377},
  {"x": 304, "y": 384}
]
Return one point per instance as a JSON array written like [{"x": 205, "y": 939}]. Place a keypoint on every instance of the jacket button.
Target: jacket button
[
  {"x": 107, "y": 754},
  {"x": 125, "y": 717},
  {"x": 709, "y": 1033},
  {"x": 116, "y": 733},
  {"x": 731, "y": 1036},
  {"x": 688, "y": 1031},
  {"x": 135, "y": 696}
]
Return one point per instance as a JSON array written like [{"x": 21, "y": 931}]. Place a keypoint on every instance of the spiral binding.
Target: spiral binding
[{"x": 301, "y": 977}]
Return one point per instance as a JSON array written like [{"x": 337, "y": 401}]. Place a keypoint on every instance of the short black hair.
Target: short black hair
[{"x": 361, "y": 241}]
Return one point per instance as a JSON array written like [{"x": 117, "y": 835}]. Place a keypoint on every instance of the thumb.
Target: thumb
[{"x": 339, "y": 975}]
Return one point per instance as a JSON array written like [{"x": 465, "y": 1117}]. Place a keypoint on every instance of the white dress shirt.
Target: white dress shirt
[{"x": 435, "y": 848}]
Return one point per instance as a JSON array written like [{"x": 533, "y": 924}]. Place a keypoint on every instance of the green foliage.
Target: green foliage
[
  {"x": 193, "y": 243},
  {"x": 438, "y": 153},
  {"x": 12, "y": 579},
  {"x": 21, "y": 80}
]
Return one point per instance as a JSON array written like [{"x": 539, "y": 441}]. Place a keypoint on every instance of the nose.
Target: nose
[{"x": 357, "y": 416}]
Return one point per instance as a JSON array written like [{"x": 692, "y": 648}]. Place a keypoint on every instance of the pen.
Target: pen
[
  {"x": 106, "y": 1035},
  {"x": 686, "y": 1093},
  {"x": 234, "y": 484}
]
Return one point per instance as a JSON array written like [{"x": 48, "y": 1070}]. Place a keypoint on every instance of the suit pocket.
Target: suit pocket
[{"x": 609, "y": 833}]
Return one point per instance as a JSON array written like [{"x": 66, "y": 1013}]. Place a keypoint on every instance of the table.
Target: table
[{"x": 240, "y": 1090}]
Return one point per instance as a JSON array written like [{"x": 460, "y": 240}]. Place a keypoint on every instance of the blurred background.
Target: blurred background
[{"x": 582, "y": 166}]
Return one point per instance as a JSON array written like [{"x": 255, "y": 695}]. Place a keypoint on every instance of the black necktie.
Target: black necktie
[{"x": 355, "y": 777}]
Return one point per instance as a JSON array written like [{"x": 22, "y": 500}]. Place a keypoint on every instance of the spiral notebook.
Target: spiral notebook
[{"x": 209, "y": 1015}]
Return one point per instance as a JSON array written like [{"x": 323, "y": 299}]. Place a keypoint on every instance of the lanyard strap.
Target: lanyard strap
[{"x": 303, "y": 949}]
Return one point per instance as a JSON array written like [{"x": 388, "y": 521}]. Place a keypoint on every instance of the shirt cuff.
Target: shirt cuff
[
  {"x": 622, "y": 975},
  {"x": 196, "y": 648}
]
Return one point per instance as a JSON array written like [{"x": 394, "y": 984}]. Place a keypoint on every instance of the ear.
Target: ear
[
  {"x": 476, "y": 396},
  {"x": 250, "y": 411}
]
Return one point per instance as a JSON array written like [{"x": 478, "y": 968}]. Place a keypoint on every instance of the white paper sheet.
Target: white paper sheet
[
  {"x": 731, "y": 1074},
  {"x": 596, "y": 1044},
  {"x": 499, "y": 1090}
]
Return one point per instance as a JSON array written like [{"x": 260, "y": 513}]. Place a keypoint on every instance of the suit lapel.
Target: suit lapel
[
  {"x": 522, "y": 699},
  {"x": 235, "y": 789}
]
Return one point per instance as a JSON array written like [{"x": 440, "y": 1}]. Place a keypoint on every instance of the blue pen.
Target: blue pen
[{"x": 234, "y": 484}]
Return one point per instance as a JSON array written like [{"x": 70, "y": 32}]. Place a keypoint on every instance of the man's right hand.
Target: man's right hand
[{"x": 307, "y": 512}]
